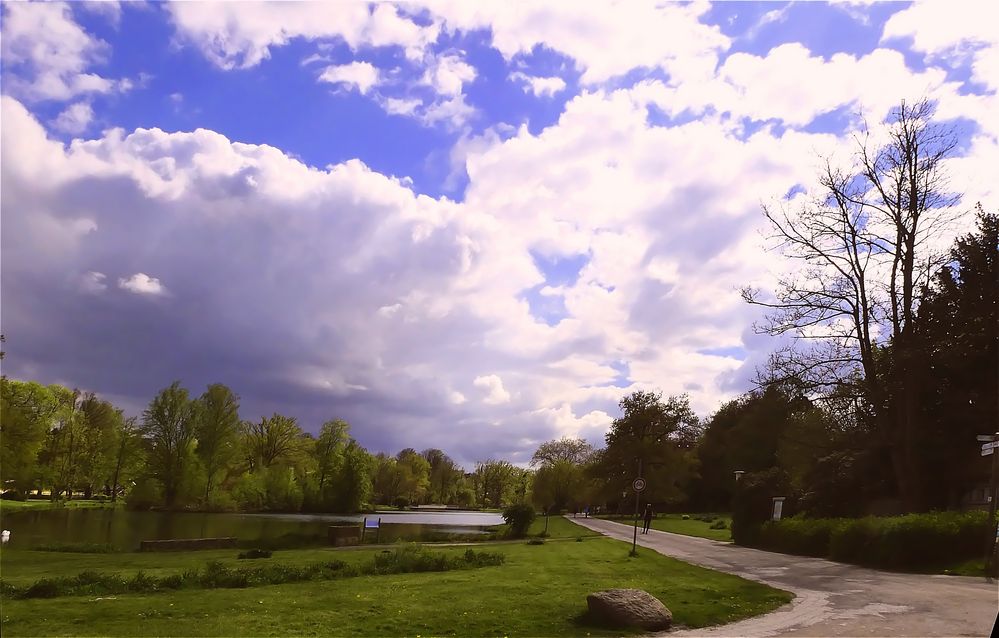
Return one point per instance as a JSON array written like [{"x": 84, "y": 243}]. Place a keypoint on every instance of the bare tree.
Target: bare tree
[{"x": 866, "y": 252}]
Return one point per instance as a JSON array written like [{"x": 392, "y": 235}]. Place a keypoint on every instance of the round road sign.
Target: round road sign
[{"x": 639, "y": 484}]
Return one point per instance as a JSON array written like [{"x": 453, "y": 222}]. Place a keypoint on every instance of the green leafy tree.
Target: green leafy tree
[
  {"x": 129, "y": 456},
  {"x": 752, "y": 433},
  {"x": 273, "y": 440},
  {"x": 353, "y": 483},
  {"x": 387, "y": 480},
  {"x": 27, "y": 411},
  {"x": 58, "y": 457},
  {"x": 100, "y": 424},
  {"x": 217, "y": 432},
  {"x": 329, "y": 454},
  {"x": 957, "y": 333},
  {"x": 444, "y": 476},
  {"x": 559, "y": 479},
  {"x": 657, "y": 435},
  {"x": 498, "y": 481},
  {"x": 414, "y": 475},
  {"x": 169, "y": 425}
]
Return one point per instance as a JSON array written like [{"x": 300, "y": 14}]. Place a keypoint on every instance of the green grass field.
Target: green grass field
[
  {"x": 540, "y": 590},
  {"x": 674, "y": 523}
]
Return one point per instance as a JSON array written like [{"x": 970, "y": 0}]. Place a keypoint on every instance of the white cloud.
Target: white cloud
[
  {"x": 93, "y": 282},
  {"x": 74, "y": 119},
  {"x": 110, "y": 9},
  {"x": 401, "y": 106},
  {"x": 47, "y": 55},
  {"x": 952, "y": 32},
  {"x": 142, "y": 284},
  {"x": 768, "y": 18},
  {"x": 359, "y": 75},
  {"x": 448, "y": 74},
  {"x": 493, "y": 386},
  {"x": 539, "y": 86},
  {"x": 241, "y": 35},
  {"x": 605, "y": 39}
]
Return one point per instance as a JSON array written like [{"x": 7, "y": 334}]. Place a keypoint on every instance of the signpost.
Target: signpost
[
  {"x": 638, "y": 485},
  {"x": 991, "y": 442}
]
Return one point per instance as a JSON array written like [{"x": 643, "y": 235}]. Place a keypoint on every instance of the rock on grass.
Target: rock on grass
[{"x": 628, "y": 608}]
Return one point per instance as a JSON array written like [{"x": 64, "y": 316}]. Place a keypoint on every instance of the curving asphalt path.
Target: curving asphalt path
[{"x": 832, "y": 599}]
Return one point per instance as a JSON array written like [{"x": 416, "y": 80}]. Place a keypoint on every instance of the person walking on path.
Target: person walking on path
[{"x": 647, "y": 518}]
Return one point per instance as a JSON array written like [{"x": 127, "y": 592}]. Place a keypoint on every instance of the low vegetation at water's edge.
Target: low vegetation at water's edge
[{"x": 217, "y": 575}]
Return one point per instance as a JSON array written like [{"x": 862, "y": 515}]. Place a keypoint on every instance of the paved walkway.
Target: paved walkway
[{"x": 832, "y": 599}]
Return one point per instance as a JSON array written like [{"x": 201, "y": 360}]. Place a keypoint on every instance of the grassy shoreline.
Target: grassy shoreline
[
  {"x": 540, "y": 590},
  {"x": 37, "y": 505}
]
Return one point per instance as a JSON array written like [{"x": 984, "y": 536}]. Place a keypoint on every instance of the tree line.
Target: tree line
[{"x": 196, "y": 452}]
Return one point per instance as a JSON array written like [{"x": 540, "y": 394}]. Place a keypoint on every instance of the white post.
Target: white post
[{"x": 778, "y": 507}]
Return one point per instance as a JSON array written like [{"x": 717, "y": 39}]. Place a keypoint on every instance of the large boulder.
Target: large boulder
[{"x": 628, "y": 608}]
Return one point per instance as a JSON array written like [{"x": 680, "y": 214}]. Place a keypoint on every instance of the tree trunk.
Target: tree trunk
[{"x": 117, "y": 468}]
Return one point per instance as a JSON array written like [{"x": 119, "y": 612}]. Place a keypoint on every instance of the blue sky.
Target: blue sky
[{"x": 464, "y": 225}]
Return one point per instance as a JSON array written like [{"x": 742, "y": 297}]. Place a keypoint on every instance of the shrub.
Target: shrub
[
  {"x": 44, "y": 588},
  {"x": 255, "y": 553},
  {"x": 401, "y": 502},
  {"x": 809, "y": 537},
  {"x": 519, "y": 517},
  {"x": 536, "y": 541},
  {"x": 719, "y": 524},
  {"x": 419, "y": 559},
  {"x": 483, "y": 559},
  {"x": 912, "y": 541},
  {"x": 217, "y": 575},
  {"x": 145, "y": 494}
]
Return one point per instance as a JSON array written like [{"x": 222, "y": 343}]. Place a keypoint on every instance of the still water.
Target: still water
[{"x": 125, "y": 529}]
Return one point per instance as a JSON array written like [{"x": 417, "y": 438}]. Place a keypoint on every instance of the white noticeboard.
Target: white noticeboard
[{"x": 778, "y": 507}]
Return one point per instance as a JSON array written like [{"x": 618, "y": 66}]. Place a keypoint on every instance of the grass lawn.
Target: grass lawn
[
  {"x": 540, "y": 590},
  {"x": 559, "y": 528},
  {"x": 973, "y": 567},
  {"x": 674, "y": 523}
]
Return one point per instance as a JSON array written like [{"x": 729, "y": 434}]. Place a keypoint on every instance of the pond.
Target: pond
[{"x": 125, "y": 529}]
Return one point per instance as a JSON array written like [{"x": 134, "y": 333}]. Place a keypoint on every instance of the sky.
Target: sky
[{"x": 465, "y": 225}]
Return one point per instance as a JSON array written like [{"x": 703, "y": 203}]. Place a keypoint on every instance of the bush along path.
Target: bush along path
[
  {"x": 832, "y": 599},
  {"x": 918, "y": 542}
]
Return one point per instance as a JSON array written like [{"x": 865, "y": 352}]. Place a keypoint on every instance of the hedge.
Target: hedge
[
  {"x": 806, "y": 536},
  {"x": 912, "y": 541}
]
